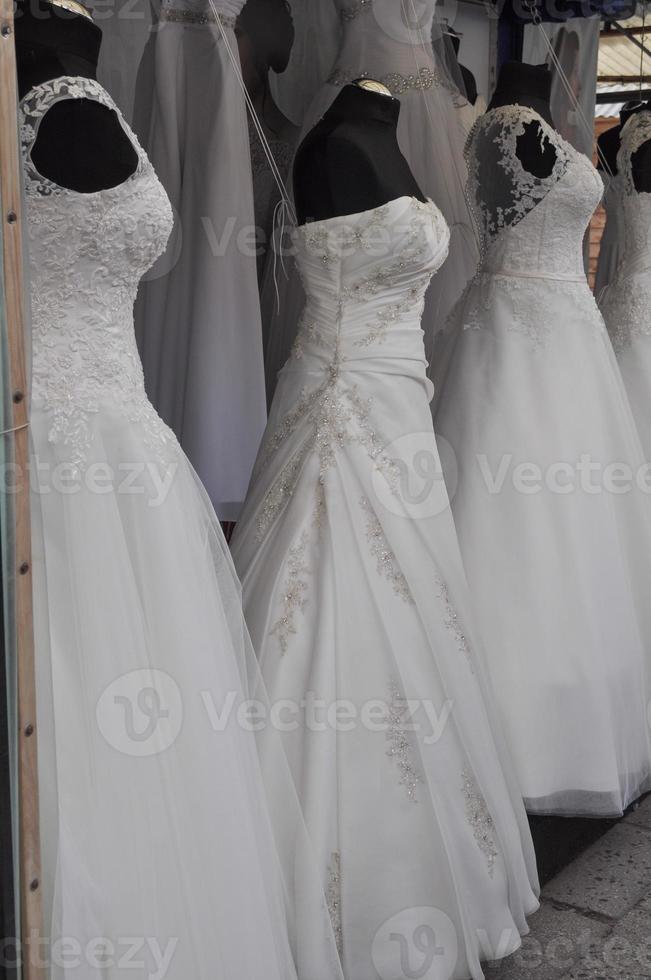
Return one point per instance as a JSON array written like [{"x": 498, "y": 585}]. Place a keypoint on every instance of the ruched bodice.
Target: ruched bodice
[
  {"x": 365, "y": 277},
  {"x": 529, "y": 225},
  {"x": 389, "y": 41},
  {"x": 88, "y": 253}
]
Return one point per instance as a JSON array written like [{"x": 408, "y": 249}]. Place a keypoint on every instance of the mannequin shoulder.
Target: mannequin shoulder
[{"x": 82, "y": 145}]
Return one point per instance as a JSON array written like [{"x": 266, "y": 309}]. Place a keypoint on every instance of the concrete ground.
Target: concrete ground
[{"x": 595, "y": 917}]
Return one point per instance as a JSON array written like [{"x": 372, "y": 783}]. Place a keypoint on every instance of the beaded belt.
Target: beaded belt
[
  {"x": 396, "y": 83},
  {"x": 178, "y": 15}
]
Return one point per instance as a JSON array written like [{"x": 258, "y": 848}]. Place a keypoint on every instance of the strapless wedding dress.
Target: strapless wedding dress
[
  {"x": 390, "y": 41},
  {"x": 155, "y": 823},
  {"x": 558, "y": 557},
  {"x": 356, "y": 602}
]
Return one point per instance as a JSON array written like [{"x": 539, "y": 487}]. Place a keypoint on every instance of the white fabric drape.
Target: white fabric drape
[
  {"x": 198, "y": 318},
  {"x": 391, "y": 41}
]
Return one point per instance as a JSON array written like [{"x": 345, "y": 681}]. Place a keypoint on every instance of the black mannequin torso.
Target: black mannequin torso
[
  {"x": 609, "y": 144},
  {"x": 530, "y": 86},
  {"x": 469, "y": 81},
  {"x": 81, "y": 144},
  {"x": 351, "y": 162}
]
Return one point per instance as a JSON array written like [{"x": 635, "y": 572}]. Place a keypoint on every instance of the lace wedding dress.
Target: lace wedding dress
[
  {"x": 153, "y": 811},
  {"x": 390, "y": 41},
  {"x": 626, "y": 302},
  {"x": 198, "y": 317},
  {"x": 557, "y": 556},
  {"x": 355, "y": 597}
]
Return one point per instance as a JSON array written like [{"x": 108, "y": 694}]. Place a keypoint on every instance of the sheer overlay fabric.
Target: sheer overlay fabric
[{"x": 155, "y": 820}]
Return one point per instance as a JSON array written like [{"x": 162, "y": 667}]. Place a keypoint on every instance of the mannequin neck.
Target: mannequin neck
[
  {"x": 355, "y": 104},
  {"x": 632, "y": 110},
  {"x": 525, "y": 85},
  {"x": 51, "y": 42}
]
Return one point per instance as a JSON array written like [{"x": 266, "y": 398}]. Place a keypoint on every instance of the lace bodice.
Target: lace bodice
[
  {"x": 635, "y": 206},
  {"x": 529, "y": 225},
  {"x": 365, "y": 276},
  {"x": 388, "y": 40},
  {"x": 626, "y": 302},
  {"x": 87, "y": 254}
]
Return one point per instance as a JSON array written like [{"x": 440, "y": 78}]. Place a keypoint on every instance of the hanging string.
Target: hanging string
[
  {"x": 235, "y": 62},
  {"x": 587, "y": 125},
  {"x": 427, "y": 48},
  {"x": 642, "y": 47}
]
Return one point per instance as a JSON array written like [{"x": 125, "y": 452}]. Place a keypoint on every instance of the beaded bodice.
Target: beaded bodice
[
  {"x": 390, "y": 41},
  {"x": 529, "y": 225},
  {"x": 365, "y": 277},
  {"x": 87, "y": 254}
]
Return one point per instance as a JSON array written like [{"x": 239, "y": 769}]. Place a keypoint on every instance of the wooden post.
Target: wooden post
[{"x": 10, "y": 202}]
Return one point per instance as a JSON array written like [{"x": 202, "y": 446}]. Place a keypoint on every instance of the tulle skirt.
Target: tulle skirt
[
  {"x": 554, "y": 533},
  {"x": 159, "y": 854}
]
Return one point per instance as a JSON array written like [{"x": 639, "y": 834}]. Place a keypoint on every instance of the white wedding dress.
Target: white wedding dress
[
  {"x": 198, "y": 315},
  {"x": 626, "y": 302},
  {"x": 355, "y": 597},
  {"x": 153, "y": 811},
  {"x": 533, "y": 398},
  {"x": 390, "y": 41}
]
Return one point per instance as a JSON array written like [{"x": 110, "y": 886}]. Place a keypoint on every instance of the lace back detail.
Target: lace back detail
[
  {"x": 35, "y": 106},
  {"x": 635, "y": 133},
  {"x": 491, "y": 149}
]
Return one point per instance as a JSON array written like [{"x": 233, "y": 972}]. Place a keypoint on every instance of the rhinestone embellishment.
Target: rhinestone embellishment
[
  {"x": 397, "y": 84},
  {"x": 333, "y": 898},
  {"x": 399, "y": 743},
  {"x": 293, "y": 599},
  {"x": 352, "y": 12},
  {"x": 177, "y": 15},
  {"x": 479, "y": 819}
]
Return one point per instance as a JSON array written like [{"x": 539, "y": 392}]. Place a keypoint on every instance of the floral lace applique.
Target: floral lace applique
[
  {"x": 626, "y": 307},
  {"x": 294, "y": 599},
  {"x": 88, "y": 253},
  {"x": 627, "y": 301},
  {"x": 527, "y": 297},
  {"x": 480, "y": 819},
  {"x": 492, "y": 145},
  {"x": 387, "y": 564},
  {"x": 451, "y": 619}
]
